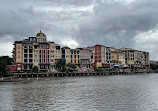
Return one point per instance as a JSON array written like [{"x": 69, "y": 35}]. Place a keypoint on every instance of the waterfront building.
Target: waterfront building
[
  {"x": 85, "y": 57},
  {"x": 92, "y": 56},
  {"x": 37, "y": 51},
  {"x": 146, "y": 59},
  {"x": 100, "y": 55},
  {"x": 75, "y": 57},
  {"x": 122, "y": 58},
  {"x": 66, "y": 54},
  {"x": 57, "y": 52},
  {"x": 52, "y": 54},
  {"x": 135, "y": 58},
  {"x": 108, "y": 57},
  {"x": 18, "y": 54},
  {"x": 129, "y": 56}
]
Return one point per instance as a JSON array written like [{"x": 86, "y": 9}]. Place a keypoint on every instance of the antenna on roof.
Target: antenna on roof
[{"x": 40, "y": 28}]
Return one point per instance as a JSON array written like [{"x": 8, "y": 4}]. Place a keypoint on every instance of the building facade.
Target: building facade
[
  {"x": 37, "y": 51},
  {"x": 85, "y": 57}
]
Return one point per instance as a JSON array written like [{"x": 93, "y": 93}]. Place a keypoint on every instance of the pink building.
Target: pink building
[{"x": 84, "y": 58}]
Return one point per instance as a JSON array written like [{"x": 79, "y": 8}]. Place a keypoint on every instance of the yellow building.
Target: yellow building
[
  {"x": 66, "y": 54},
  {"x": 52, "y": 54},
  {"x": 18, "y": 54},
  {"x": 75, "y": 57},
  {"x": 57, "y": 52}
]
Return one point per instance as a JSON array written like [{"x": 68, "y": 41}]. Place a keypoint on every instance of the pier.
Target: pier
[{"x": 64, "y": 74}]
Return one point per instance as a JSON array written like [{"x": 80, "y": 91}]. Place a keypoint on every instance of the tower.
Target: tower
[{"x": 41, "y": 37}]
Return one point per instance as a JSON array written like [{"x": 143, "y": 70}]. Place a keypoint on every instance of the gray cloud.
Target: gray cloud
[{"x": 82, "y": 22}]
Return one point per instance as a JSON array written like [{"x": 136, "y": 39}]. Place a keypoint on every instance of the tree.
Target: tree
[
  {"x": 71, "y": 66},
  {"x": 35, "y": 69},
  {"x": 4, "y": 61},
  {"x": 61, "y": 64},
  {"x": 153, "y": 66}
]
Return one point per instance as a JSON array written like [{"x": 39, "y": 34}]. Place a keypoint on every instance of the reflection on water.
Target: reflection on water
[{"x": 108, "y": 93}]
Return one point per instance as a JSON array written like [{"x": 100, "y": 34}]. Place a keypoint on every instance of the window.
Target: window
[
  {"x": 18, "y": 55},
  {"x": 18, "y": 50},
  {"x": 25, "y": 46},
  {"x": 25, "y": 50},
  {"x": 30, "y": 55},
  {"x": 57, "y": 47},
  {"x": 25, "y": 66},
  {"x": 35, "y": 60},
  {"x": 35, "y": 50},
  {"x": 25, "y": 60},
  {"x": 52, "y": 55},
  {"x": 25, "y": 55},
  {"x": 52, "y": 51},
  {"x": 43, "y": 46},
  {"x": 35, "y": 46},
  {"x": 30, "y": 66},
  {"x": 30, "y": 60},
  {"x": 51, "y": 60},
  {"x": 30, "y": 46},
  {"x": 18, "y": 59},
  {"x": 30, "y": 50}
]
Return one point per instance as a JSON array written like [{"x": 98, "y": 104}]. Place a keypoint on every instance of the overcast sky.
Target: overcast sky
[{"x": 81, "y": 23}]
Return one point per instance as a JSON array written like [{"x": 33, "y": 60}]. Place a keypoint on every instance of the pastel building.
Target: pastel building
[
  {"x": 35, "y": 51},
  {"x": 85, "y": 57},
  {"x": 57, "y": 52},
  {"x": 92, "y": 56},
  {"x": 99, "y": 55},
  {"x": 66, "y": 54},
  {"x": 52, "y": 49},
  {"x": 75, "y": 57},
  {"x": 135, "y": 58},
  {"x": 108, "y": 56}
]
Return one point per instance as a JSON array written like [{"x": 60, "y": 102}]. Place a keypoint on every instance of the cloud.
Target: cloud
[
  {"x": 82, "y": 22},
  {"x": 116, "y": 23},
  {"x": 148, "y": 41}
]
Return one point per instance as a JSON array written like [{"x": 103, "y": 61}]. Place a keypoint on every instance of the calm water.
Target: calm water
[{"x": 87, "y": 93}]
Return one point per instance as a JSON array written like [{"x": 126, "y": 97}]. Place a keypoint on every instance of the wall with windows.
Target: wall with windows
[{"x": 75, "y": 57}]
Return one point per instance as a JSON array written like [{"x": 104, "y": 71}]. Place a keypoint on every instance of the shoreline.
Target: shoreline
[{"x": 18, "y": 78}]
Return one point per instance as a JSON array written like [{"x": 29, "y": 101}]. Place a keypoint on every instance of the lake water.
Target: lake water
[{"x": 86, "y": 93}]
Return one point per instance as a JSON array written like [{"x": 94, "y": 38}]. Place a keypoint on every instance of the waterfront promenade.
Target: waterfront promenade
[{"x": 17, "y": 76}]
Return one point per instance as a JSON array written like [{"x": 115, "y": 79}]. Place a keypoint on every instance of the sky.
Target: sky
[{"x": 82, "y": 23}]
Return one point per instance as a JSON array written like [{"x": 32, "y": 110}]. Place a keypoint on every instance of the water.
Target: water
[{"x": 86, "y": 93}]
